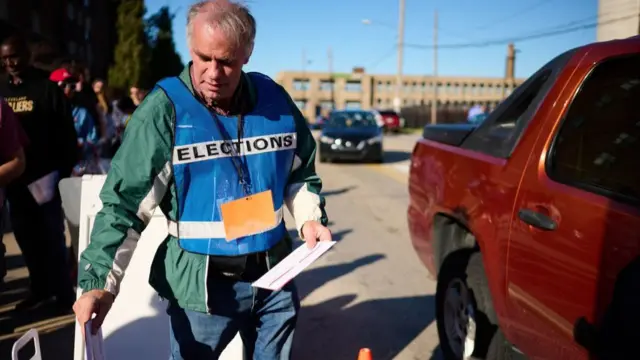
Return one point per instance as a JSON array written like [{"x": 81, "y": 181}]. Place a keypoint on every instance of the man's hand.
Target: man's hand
[
  {"x": 313, "y": 231},
  {"x": 93, "y": 302}
]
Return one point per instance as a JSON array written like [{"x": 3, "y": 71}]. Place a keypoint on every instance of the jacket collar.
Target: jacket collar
[{"x": 244, "y": 97}]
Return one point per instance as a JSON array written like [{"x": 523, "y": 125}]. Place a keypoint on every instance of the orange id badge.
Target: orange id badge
[{"x": 248, "y": 215}]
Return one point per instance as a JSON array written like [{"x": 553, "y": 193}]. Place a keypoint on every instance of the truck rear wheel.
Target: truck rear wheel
[
  {"x": 501, "y": 349},
  {"x": 464, "y": 311}
]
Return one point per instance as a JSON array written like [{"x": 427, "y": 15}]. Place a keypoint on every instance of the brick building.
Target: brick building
[{"x": 83, "y": 30}]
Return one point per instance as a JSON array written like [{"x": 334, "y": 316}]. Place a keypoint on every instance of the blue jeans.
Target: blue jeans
[{"x": 265, "y": 319}]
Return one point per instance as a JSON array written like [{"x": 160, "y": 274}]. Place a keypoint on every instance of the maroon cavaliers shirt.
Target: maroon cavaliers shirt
[{"x": 12, "y": 137}]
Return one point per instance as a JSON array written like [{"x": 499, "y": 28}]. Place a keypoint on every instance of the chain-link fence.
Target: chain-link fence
[{"x": 419, "y": 116}]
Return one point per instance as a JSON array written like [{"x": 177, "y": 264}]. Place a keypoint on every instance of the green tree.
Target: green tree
[
  {"x": 131, "y": 55},
  {"x": 165, "y": 61}
]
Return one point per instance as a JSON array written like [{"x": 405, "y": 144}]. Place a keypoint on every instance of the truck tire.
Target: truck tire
[
  {"x": 464, "y": 307},
  {"x": 501, "y": 349}
]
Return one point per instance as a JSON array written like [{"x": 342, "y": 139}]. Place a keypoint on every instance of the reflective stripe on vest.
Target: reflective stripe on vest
[
  {"x": 206, "y": 229},
  {"x": 205, "y": 175}
]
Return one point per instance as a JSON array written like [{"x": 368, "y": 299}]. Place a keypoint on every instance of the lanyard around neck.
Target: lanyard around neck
[{"x": 236, "y": 153}]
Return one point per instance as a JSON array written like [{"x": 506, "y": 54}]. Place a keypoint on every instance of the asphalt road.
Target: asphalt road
[{"x": 370, "y": 290}]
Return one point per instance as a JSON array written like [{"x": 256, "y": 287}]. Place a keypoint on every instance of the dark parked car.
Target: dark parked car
[{"x": 351, "y": 135}]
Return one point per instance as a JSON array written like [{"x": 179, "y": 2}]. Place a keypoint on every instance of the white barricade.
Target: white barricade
[{"x": 137, "y": 326}]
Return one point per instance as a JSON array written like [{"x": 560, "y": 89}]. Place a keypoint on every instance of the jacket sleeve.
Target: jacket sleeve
[
  {"x": 303, "y": 197},
  {"x": 65, "y": 130},
  {"x": 136, "y": 183}
]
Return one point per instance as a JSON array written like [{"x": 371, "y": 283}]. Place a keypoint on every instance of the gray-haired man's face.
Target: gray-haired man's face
[{"x": 217, "y": 62}]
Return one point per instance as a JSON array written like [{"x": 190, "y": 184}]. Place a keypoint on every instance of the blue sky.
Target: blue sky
[{"x": 289, "y": 28}]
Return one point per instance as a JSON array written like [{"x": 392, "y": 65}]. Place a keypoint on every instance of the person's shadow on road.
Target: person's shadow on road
[
  {"x": 314, "y": 278},
  {"x": 339, "y": 327}
]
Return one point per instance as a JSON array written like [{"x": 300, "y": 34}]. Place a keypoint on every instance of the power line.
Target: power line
[
  {"x": 513, "y": 16},
  {"x": 622, "y": 8},
  {"x": 590, "y": 19},
  {"x": 386, "y": 55},
  {"x": 522, "y": 38}
]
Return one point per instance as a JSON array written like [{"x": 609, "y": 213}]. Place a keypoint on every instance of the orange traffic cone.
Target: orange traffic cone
[{"x": 365, "y": 354}]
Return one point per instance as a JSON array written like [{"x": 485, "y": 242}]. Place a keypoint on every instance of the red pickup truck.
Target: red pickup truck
[{"x": 530, "y": 221}]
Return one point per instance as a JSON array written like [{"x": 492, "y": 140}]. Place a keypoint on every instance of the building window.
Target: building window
[
  {"x": 35, "y": 22},
  {"x": 89, "y": 55},
  {"x": 71, "y": 13},
  {"x": 326, "y": 105},
  {"x": 353, "y": 105},
  {"x": 326, "y": 85},
  {"x": 353, "y": 86},
  {"x": 301, "y": 104},
  {"x": 87, "y": 29},
  {"x": 508, "y": 90},
  {"x": 300, "y": 84},
  {"x": 4, "y": 12}
]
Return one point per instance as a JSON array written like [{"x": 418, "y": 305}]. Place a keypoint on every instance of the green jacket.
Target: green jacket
[{"x": 141, "y": 179}]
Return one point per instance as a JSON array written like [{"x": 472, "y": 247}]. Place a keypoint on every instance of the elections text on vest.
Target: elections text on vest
[{"x": 225, "y": 148}]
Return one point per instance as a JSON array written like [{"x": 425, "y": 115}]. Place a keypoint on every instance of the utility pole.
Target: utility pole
[
  {"x": 509, "y": 74},
  {"x": 304, "y": 67},
  {"x": 330, "y": 59},
  {"x": 397, "y": 102},
  {"x": 305, "y": 81},
  {"x": 434, "y": 105}
]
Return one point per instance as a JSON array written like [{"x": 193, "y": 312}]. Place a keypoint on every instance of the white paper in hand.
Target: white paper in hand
[
  {"x": 93, "y": 344},
  {"x": 292, "y": 265},
  {"x": 44, "y": 189}
]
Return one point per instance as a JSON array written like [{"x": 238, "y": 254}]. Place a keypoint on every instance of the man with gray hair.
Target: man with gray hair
[{"x": 221, "y": 152}]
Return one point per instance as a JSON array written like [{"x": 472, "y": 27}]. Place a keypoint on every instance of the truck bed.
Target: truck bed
[{"x": 450, "y": 134}]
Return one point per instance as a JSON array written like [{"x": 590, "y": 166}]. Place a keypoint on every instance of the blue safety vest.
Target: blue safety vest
[{"x": 206, "y": 176}]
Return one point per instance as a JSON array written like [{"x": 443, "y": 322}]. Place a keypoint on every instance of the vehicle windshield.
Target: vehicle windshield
[{"x": 352, "y": 119}]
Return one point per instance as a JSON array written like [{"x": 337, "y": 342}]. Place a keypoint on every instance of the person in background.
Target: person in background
[
  {"x": 123, "y": 108},
  {"x": 85, "y": 96},
  {"x": 477, "y": 114},
  {"x": 127, "y": 106},
  {"x": 35, "y": 205},
  {"x": 137, "y": 94},
  {"x": 83, "y": 121},
  {"x": 12, "y": 163},
  {"x": 106, "y": 108}
]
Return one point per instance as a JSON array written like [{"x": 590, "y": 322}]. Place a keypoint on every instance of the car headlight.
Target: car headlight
[
  {"x": 326, "y": 139},
  {"x": 375, "y": 139}
]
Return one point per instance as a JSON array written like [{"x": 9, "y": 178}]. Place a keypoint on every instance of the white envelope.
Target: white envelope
[
  {"x": 93, "y": 344},
  {"x": 44, "y": 188},
  {"x": 292, "y": 265}
]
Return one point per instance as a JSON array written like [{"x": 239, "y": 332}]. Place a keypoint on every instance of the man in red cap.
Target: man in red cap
[{"x": 84, "y": 123}]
